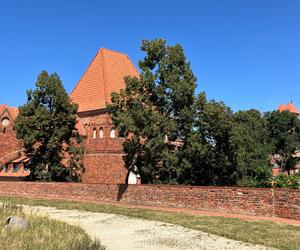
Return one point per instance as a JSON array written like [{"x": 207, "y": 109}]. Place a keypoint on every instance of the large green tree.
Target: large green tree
[
  {"x": 155, "y": 112},
  {"x": 250, "y": 148},
  {"x": 284, "y": 138},
  {"x": 226, "y": 148},
  {"x": 46, "y": 125}
]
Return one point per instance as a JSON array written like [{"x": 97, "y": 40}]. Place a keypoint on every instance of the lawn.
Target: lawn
[
  {"x": 270, "y": 234},
  {"x": 41, "y": 233}
]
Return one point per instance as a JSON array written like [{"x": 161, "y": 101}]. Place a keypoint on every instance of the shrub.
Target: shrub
[{"x": 285, "y": 181}]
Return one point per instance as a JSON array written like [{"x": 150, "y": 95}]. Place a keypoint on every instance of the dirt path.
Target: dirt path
[{"x": 118, "y": 232}]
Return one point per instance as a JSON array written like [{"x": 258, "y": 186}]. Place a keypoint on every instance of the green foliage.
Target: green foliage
[
  {"x": 155, "y": 111},
  {"x": 284, "y": 138},
  {"x": 227, "y": 148},
  {"x": 174, "y": 136},
  {"x": 285, "y": 181},
  {"x": 46, "y": 124}
]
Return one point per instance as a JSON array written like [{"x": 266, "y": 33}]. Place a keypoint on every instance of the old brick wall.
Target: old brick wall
[
  {"x": 10, "y": 146},
  {"x": 287, "y": 203},
  {"x": 249, "y": 201},
  {"x": 103, "y": 159}
]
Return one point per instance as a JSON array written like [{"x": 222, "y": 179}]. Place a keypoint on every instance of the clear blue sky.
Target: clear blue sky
[{"x": 243, "y": 52}]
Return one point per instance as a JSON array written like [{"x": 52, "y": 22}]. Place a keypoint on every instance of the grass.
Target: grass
[
  {"x": 41, "y": 233},
  {"x": 270, "y": 234}
]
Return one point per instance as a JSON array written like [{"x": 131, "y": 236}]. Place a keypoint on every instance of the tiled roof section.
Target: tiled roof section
[
  {"x": 2, "y": 107},
  {"x": 20, "y": 172},
  {"x": 281, "y": 107},
  {"x": 104, "y": 75},
  {"x": 13, "y": 111},
  {"x": 290, "y": 107}
]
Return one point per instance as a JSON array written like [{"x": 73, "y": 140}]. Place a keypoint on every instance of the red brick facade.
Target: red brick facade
[
  {"x": 248, "y": 201},
  {"x": 14, "y": 163},
  {"x": 103, "y": 158}
]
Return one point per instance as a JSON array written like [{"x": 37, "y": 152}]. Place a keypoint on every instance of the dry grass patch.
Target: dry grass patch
[
  {"x": 41, "y": 233},
  {"x": 270, "y": 234}
]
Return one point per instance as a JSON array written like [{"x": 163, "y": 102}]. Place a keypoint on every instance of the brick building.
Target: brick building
[
  {"x": 290, "y": 107},
  {"x": 103, "y": 158},
  {"x": 12, "y": 159},
  {"x": 104, "y": 152}
]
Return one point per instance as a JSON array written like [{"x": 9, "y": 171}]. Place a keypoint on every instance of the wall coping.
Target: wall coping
[{"x": 155, "y": 185}]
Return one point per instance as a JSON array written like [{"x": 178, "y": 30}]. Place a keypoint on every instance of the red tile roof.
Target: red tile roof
[
  {"x": 2, "y": 107},
  {"x": 104, "y": 75},
  {"x": 290, "y": 107},
  {"x": 12, "y": 110}
]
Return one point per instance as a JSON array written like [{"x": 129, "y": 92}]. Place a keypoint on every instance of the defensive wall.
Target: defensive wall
[{"x": 283, "y": 203}]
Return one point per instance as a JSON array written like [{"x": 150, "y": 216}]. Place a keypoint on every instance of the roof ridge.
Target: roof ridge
[
  {"x": 114, "y": 51},
  {"x": 5, "y": 107},
  {"x": 133, "y": 65},
  {"x": 124, "y": 54},
  {"x": 84, "y": 73},
  {"x": 104, "y": 74}
]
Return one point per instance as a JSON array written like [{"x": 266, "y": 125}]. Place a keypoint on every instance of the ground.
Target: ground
[{"x": 120, "y": 232}]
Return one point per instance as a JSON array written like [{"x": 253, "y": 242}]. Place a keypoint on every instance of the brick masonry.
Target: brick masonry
[
  {"x": 103, "y": 158},
  {"x": 248, "y": 201},
  {"x": 10, "y": 146}
]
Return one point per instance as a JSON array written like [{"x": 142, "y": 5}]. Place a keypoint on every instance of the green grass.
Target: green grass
[
  {"x": 41, "y": 233},
  {"x": 270, "y": 234}
]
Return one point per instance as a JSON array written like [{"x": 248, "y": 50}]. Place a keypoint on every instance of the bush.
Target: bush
[
  {"x": 285, "y": 181},
  {"x": 252, "y": 182}
]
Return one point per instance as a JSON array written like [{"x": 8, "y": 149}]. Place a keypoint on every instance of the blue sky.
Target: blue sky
[{"x": 243, "y": 52}]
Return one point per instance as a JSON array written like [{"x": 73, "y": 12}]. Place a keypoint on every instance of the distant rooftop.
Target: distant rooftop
[{"x": 289, "y": 107}]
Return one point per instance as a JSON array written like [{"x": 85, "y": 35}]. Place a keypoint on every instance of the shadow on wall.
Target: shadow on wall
[{"x": 121, "y": 190}]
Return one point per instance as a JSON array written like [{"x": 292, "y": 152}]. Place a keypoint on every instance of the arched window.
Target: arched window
[
  {"x": 112, "y": 133},
  {"x": 94, "y": 133},
  {"x": 101, "y": 133}
]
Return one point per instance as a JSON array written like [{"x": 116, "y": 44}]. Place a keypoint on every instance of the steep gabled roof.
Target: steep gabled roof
[
  {"x": 281, "y": 107},
  {"x": 104, "y": 75},
  {"x": 290, "y": 107},
  {"x": 11, "y": 110},
  {"x": 2, "y": 107}
]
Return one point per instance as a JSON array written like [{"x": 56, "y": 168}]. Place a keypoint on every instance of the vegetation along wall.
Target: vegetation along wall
[{"x": 249, "y": 201}]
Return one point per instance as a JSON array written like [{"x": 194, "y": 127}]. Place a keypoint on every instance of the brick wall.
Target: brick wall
[
  {"x": 10, "y": 146},
  {"x": 264, "y": 202},
  {"x": 103, "y": 158}
]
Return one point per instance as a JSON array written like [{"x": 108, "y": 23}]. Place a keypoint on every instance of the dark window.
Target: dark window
[
  {"x": 15, "y": 167},
  {"x": 24, "y": 167},
  {"x": 6, "y": 168}
]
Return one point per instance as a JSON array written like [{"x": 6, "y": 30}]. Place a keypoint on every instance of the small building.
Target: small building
[
  {"x": 13, "y": 162},
  {"x": 103, "y": 157},
  {"x": 291, "y": 107}
]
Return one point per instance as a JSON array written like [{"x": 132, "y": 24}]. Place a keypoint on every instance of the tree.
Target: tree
[
  {"x": 46, "y": 124},
  {"x": 155, "y": 112},
  {"x": 226, "y": 148},
  {"x": 284, "y": 138},
  {"x": 208, "y": 151},
  {"x": 251, "y": 151}
]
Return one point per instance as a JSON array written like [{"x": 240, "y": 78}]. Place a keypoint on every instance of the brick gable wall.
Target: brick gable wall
[{"x": 10, "y": 146}]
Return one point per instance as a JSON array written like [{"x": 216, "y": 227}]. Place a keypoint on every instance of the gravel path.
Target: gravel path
[{"x": 118, "y": 232}]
